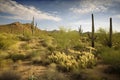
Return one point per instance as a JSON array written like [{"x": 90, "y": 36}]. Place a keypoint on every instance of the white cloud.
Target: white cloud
[
  {"x": 19, "y": 11},
  {"x": 87, "y": 6},
  {"x": 117, "y": 16}
]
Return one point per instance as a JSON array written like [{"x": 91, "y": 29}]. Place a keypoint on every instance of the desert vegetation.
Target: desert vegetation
[{"x": 28, "y": 53}]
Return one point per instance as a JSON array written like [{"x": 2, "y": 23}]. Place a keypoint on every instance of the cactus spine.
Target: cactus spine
[
  {"x": 110, "y": 34},
  {"x": 92, "y": 37}
]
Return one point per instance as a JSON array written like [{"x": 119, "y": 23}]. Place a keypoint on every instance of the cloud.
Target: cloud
[
  {"x": 117, "y": 16},
  {"x": 22, "y": 12},
  {"x": 87, "y": 6}
]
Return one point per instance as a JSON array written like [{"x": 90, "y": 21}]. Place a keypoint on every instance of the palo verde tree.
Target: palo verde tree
[{"x": 92, "y": 36}]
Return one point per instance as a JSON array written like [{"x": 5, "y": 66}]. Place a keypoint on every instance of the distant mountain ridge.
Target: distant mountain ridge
[{"x": 17, "y": 27}]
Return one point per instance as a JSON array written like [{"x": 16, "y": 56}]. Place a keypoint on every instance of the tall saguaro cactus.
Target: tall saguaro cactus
[
  {"x": 80, "y": 30},
  {"x": 32, "y": 26},
  {"x": 23, "y": 30},
  {"x": 110, "y": 34},
  {"x": 92, "y": 36}
]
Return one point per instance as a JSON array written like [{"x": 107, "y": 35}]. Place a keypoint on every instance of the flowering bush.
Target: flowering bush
[{"x": 70, "y": 62}]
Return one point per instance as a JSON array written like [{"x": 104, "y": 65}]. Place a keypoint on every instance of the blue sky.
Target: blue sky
[{"x": 52, "y": 14}]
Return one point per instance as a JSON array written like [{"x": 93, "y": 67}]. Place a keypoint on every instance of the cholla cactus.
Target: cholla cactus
[
  {"x": 87, "y": 60},
  {"x": 70, "y": 62}
]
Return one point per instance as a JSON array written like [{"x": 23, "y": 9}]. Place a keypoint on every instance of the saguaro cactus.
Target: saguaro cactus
[
  {"x": 32, "y": 26},
  {"x": 23, "y": 31},
  {"x": 36, "y": 26},
  {"x": 92, "y": 37},
  {"x": 110, "y": 34},
  {"x": 80, "y": 30}
]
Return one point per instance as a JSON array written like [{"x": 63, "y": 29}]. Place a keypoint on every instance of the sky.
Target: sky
[{"x": 53, "y": 14}]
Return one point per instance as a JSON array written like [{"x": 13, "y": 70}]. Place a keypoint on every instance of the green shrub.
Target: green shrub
[
  {"x": 36, "y": 60},
  {"x": 7, "y": 40},
  {"x": 112, "y": 57},
  {"x": 24, "y": 46},
  {"x": 33, "y": 54},
  {"x": 3, "y": 55},
  {"x": 5, "y": 44},
  {"x": 77, "y": 75},
  {"x": 16, "y": 57},
  {"x": 10, "y": 75},
  {"x": 38, "y": 57},
  {"x": 66, "y": 39},
  {"x": 102, "y": 36},
  {"x": 24, "y": 38},
  {"x": 116, "y": 41},
  {"x": 5, "y": 63},
  {"x": 53, "y": 75}
]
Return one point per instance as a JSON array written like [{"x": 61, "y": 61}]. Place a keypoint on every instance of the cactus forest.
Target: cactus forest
[{"x": 59, "y": 40}]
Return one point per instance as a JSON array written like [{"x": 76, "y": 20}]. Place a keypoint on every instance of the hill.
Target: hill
[{"x": 17, "y": 28}]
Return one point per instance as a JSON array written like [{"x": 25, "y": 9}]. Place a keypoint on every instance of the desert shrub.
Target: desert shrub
[
  {"x": 6, "y": 43},
  {"x": 40, "y": 60},
  {"x": 36, "y": 60},
  {"x": 49, "y": 43},
  {"x": 3, "y": 55},
  {"x": 25, "y": 46},
  {"x": 51, "y": 48},
  {"x": 7, "y": 40},
  {"x": 77, "y": 75},
  {"x": 79, "y": 47},
  {"x": 10, "y": 75},
  {"x": 52, "y": 66},
  {"x": 53, "y": 75},
  {"x": 38, "y": 57},
  {"x": 24, "y": 38},
  {"x": 33, "y": 54},
  {"x": 70, "y": 62},
  {"x": 43, "y": 42},
  {"x": 102, "y": 37},
  {"x": 112, "y": 57},
  {"x": 8, "y": 36},
  {"x": 116, "y": 41},
  {"x": 16, "y": 57},
  {"x": 66, "y": 39},
  {"x": 5, "y": 63}
]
